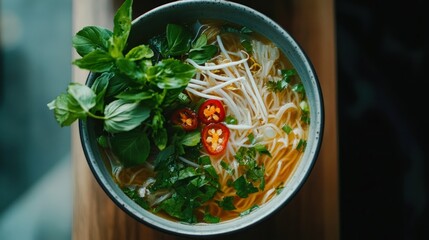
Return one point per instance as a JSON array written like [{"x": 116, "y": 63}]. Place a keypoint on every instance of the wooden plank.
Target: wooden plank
[{"x": 312, "y": 214}]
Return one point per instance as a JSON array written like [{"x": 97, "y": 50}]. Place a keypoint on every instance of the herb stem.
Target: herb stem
[{"x": 95, "y": 116}]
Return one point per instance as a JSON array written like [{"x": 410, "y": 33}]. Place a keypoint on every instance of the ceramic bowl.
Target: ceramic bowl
[{"x": 153, "y": 22}]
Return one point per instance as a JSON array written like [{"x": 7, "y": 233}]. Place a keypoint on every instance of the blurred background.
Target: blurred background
[
  {"x": 35, "y": 169},
  {"x": 382, "y": 59}
]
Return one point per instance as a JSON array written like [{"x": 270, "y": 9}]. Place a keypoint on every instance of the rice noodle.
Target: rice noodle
[{"x": 239, "y": 80}]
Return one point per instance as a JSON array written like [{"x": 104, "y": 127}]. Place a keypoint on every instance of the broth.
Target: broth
[{"x": 267, "y": 118}]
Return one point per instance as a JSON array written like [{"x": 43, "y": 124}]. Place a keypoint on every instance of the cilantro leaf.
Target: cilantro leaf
[
  {"x": 251, "y": 209},
  {"x": 134, "y": 195},
  {"x": 243, "y": 188},
  {"x": 208, "y": 218},
  {"x": 280, "y": 85},
  {"x": 227, "y": 203}
]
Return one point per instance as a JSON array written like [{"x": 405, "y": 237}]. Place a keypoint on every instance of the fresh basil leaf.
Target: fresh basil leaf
[
  {"x": 121, "y": 115},
  {"x": 132, "y": 148},
  {"x": 95, "y": 61},
  {"x": 203, "y": 54},
  {"x": 174, "y": 95},
  {"x": 191, "y": 139},
  {"x": 91, "y": 38},
  {"x": 121, "y": 29},
  {"x": 99, "y": 87},
  {"x": 139, "y": 52},
  {"x": 159, "y": 44},
  {"x": 171, "y": 73},
  {"x": 117, "y": 84},
  {"x": 178, "y": 40},
  {"x": 129, "y": 68},
  {"x": 200, "y": 42},
  {"x": 84, "y": 95},
  {"x": 135, "y": 95},
  {"x": 66, "y": 109}
]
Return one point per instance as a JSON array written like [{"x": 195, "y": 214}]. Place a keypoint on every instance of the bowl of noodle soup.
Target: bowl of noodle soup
[{"x": 240, "y": 161}]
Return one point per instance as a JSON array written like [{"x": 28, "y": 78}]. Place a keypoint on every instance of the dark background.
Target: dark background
[
  {"x": 382, "y": 60},
  {"x": 383, "y": 55}
]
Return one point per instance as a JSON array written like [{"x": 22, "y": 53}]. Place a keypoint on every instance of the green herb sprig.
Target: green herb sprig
[{"x": 133, "y": 88}]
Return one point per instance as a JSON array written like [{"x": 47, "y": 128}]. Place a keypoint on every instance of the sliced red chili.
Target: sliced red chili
[
  {"x": 186, "y": 118},
  {"x": 211, "y": 111},
  {"x": 215, "y": 138}
]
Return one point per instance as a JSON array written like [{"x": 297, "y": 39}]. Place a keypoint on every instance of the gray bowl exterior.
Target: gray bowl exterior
[{"x": 154, "y": 22}]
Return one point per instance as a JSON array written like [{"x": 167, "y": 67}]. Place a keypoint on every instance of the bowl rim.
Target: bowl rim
[{"x": 238, "y": 224}]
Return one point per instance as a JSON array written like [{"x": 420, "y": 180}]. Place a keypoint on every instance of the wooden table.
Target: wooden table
[{"x": 312, "y": 214}]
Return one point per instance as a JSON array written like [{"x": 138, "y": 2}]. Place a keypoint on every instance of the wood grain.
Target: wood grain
[{"x": 312, "y": 214}]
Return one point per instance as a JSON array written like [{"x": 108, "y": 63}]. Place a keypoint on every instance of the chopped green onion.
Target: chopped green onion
[{"x": 287, "y": 128}]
